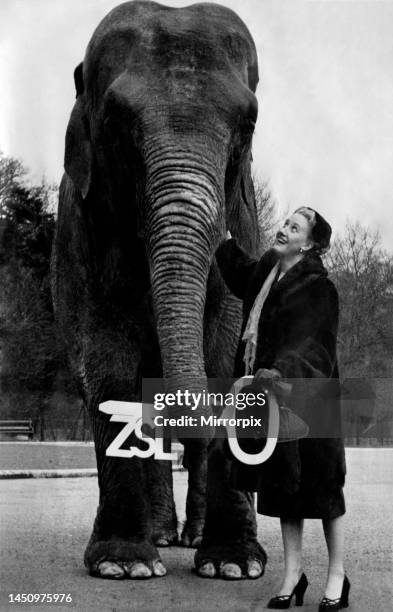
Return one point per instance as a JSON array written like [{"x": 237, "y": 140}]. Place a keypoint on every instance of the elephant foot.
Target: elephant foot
[
  {"x": 230, "y": 562},
  {"x": 191, "y": 536},
  {"x": 117, "y": 559},
  {"x": 165, "y": 537}
]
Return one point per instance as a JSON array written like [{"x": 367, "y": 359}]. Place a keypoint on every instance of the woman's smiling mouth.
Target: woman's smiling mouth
[{"x": 281, "y": 239}]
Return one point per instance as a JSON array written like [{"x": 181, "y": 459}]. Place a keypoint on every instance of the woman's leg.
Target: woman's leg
[
  {"x": 334, "y": 535},
  {"x": 292, "y": 533}
]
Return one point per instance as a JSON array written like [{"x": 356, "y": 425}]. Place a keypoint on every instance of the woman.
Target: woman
[{"x": 290, "y": 331}]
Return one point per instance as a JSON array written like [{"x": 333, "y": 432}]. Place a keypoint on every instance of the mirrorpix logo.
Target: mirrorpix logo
[{"x": 136, "y": 414}]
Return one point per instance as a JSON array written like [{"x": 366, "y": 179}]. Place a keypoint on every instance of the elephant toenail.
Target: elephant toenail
[
  {"x": 137, "y": 569},
  {"x": 162, "y": 542},
  {"x": 207, "y": 570},
  {"x": 254, "y": 569},
  {"x": 196, "y": 542},
  {"x": 230, "y": 571},
  {"x": 109, "y": 569},
  {"x": 159, "y": 569}
]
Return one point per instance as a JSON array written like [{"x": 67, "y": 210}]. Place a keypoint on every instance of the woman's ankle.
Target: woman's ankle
[
  {"x": 290, "y": 579},
  {"x": 334, "y": 582},
  {"x": 336, "y": 571},
  {"x": 293, "y": 570}
]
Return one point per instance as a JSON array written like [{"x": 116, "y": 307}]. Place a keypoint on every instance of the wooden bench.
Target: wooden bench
[{"x": 20, "y": 427}]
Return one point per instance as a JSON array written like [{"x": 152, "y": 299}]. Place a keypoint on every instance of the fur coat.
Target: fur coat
[{"x": 297, "y": 334}]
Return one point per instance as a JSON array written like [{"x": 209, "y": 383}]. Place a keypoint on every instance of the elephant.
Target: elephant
[{"x": 157, "y": 167}]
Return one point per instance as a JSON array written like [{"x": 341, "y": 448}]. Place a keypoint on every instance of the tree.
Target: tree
[
  {"x": 28, "y": 227},
  {"x": 11, "y": 173},
  {"x": 30, "y": 352},
  {"x": 363, "y": 274},
  {"x": 266, "y": 210}
]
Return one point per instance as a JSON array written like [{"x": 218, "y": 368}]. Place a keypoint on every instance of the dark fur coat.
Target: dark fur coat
[{"x": 297, "y": 334}]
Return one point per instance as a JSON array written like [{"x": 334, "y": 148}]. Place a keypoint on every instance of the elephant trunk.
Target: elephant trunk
[{"x": 184, "y": 222}]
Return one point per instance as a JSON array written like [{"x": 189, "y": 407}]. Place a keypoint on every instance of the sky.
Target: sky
[{"x": 324, "y": 135}]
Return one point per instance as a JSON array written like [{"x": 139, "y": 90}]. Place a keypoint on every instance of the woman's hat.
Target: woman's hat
[{"x": 321, "y": 231}]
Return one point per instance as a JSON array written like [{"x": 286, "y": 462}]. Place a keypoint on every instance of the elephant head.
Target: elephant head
[{"x": 159, "y": 149}]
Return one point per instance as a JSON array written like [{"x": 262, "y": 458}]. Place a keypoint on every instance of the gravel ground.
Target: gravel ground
[{"x": 45, "y": 525}]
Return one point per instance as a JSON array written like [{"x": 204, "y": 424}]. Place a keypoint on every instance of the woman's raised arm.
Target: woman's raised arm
[{"x": 235, "y": 266}]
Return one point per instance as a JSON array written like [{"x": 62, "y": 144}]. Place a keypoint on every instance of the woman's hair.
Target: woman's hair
[{"x": 320, "y": 230}]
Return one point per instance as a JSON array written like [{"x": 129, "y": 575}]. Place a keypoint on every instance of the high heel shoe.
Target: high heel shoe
[
  {"x": 282, "y": 602},
  {"x": 337, "y": 604}
]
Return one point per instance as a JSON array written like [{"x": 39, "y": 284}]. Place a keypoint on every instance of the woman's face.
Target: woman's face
[{"x": 293, "y": 235}]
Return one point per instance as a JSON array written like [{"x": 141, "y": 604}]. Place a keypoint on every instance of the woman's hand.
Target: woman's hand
[
  {"x": 229, "y": 235},
  {"x": 265, "y": 374},
  {"x": 272, "y": 379}
]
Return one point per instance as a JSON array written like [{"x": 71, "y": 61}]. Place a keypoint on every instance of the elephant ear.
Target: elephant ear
[
  {"x": 247, "y": 185},
  {"x": 78, "y": 80},
  {"x": 253, "y": 75},
  {"x": 78, "y": 151}
]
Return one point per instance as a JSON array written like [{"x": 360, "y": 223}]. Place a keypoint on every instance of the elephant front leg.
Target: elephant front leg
[
  {"x": 121, "y": 544},
  {"x": 160, "y": 484},
  {"x": 229, "y": 547},
  {"x": 195, "y": 460}
]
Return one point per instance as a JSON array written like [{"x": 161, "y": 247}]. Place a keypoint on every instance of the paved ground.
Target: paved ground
[
  {"x": 46, "y": 455},
  {"x": 45, "y": 524}
]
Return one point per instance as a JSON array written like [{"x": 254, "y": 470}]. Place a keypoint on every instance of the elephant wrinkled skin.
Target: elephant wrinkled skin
[{"x": 157, "y": 166}]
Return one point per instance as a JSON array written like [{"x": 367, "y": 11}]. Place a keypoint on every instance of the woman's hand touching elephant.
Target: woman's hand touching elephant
[{"x": 229, "y": 235}]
